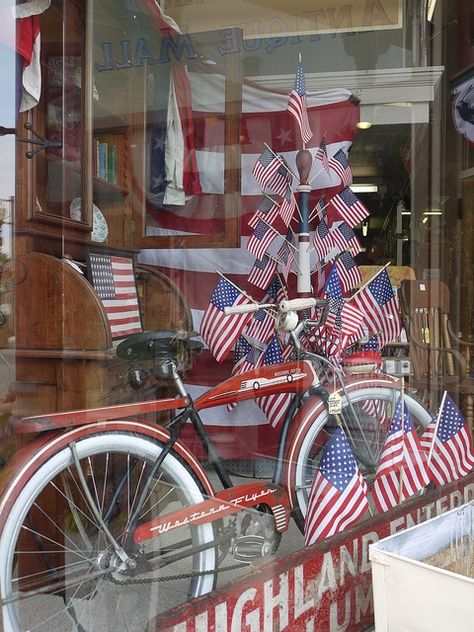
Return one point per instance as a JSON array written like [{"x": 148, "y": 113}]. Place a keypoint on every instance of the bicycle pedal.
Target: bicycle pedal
[{"x": 247, "y": 548}]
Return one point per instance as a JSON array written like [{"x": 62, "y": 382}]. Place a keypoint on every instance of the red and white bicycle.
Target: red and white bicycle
[{"x": 108, "y": 519}]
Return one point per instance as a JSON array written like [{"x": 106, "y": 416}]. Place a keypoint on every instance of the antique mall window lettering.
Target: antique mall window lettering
[
  {"x": 267, "y": 35},
  {"x": 301, "y": 18}
]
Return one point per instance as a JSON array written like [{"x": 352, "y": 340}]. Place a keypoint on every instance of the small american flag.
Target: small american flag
[
  {"x": 339, "y": 163},
  {"x": 285, "y": 254},
  {"x": 262, "y": 271},
  {"x": 349, "y": 272},
  {"x": 338, "y": 496},
  {"x": 114, "y": 281},
  {"x": 345, "y": 238},
  {"x": 372, "y": 344},
  {"x": 297, "y": 105},
  {"x": 260, "y": 327},
  {"x": 219, "y": 331},
  {"x": 352, "y": 326},
  {"x": 265, "y": 168},
  {"x": 287, "y": 207},
  {"x": 268, "y": 210},
  {"x": 246, "y": 356},
  {"x": 274, "y": 406},
  {"x": 452, "y": 455},
  {"x": 261, "y": 239},
  {"x": 323, "y": 243},
  {"x": 322, "y": 154},
  {"x": 343, "y": 323},
  {"x": 333, "y": 292},
  {"x": 402, "y": 469},
  {"x": 349, "y": 207},
  {"x": 276, "y": 291},
  {"x": 379, "y": 307},
  {"x": 271, "y": 172}
]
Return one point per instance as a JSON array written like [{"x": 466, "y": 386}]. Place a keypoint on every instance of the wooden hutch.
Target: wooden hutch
[{"x": 58, "y": 335}]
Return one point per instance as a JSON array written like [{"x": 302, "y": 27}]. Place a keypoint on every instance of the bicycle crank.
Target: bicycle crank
[{"x": 256, "y": 535}]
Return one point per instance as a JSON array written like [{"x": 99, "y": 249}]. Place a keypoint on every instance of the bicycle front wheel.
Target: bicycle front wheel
[
  {"x": 57, "y": 566},
  {"x": 366, "y": 416}
]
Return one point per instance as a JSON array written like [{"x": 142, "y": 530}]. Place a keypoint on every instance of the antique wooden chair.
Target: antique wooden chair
[{"x": 440, "y": 360}]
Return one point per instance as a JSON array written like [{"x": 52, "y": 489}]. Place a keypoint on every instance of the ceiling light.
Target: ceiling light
[
  {"x": 364, "y": 124},
  {"x": 406, "y": 212},
  {"x": 433, "y": 212},
  {"x": 364, "y": 188}
]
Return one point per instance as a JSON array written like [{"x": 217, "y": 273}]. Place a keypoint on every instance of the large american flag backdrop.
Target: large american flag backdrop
[
  {"x": 332, "y": 114},
  {"x": 114, "y": 281}
]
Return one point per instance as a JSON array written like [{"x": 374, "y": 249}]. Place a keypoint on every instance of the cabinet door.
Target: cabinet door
[
  {"x": 184, "y": 164},
  {"x": 53, "y": 190}
]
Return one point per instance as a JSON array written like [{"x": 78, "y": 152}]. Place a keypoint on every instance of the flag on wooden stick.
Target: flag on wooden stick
[
  {"x": 377, "y": 303},
  {"x": 219, "y": 331},
  {"x": 297, "y": 105},
  {"x": 448, "y": 441},
  {"x": 338, "y": 496},
  {"x": 402, "y": 469}
]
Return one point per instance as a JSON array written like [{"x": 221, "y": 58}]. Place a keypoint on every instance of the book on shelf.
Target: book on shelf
[
  {"x": 112, "y": 164},
  {"x": 105, "y": 161},
  {"x": 95, "y": 158}
]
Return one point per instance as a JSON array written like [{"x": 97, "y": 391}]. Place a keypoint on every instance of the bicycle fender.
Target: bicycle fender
[
  {"x": 31, "y": 456},
  {"x": 70, "y": 418},
  {"x": 224, "y": 503},
  {"x": 311, "y": 409},
  {"x": 287, "y": 377}
]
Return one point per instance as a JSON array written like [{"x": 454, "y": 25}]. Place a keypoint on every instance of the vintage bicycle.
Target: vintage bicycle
[{"x": 108, "y": 519}]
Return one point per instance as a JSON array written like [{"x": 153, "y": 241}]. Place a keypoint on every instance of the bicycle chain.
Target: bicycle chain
[{"x": 128, "y": 582}]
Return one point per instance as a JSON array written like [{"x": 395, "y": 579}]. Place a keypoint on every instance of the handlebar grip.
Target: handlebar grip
[
  {"x": 296, "y": 304},
  {"x": 246, "y": 309},
  {"x": 241, "y": 309}
]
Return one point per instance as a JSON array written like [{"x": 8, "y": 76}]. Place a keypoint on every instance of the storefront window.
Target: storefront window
[{"x": 184, "y": 447}]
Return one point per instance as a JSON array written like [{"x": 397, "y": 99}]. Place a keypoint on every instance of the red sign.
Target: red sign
[{"x": 324, "y": 588}]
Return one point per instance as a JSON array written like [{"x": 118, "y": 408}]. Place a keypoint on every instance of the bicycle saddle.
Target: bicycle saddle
[{"x": 151, "y": 345}]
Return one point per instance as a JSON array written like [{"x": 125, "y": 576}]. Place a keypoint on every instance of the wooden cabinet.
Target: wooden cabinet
[
  {"x": 107, "y": 72},
  {"x": 65, "y": 357}
]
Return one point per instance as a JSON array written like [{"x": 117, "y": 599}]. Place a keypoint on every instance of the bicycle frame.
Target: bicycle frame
[{"x": 294, "y": 377}]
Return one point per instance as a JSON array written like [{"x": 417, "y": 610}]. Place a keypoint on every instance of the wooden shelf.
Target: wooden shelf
[{"x": 107, "y": 191}]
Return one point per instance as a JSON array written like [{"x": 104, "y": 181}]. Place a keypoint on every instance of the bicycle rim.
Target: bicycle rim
[
  {"x": 56, "y": 562},
  {"x": 366, "y": 431}
]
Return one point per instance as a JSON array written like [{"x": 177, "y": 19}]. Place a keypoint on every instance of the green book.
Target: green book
[
  {"x": 103, "y": 160},
  {"x": 112, "y": 163}
]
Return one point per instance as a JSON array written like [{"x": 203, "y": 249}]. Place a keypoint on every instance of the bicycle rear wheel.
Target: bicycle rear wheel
[
  {"x": 366, "y": 421},
  {"x": 56, "y": 563}
]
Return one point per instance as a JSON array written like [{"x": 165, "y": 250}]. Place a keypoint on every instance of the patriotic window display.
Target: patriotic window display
[
  {"x": 273, "y": 235},
  {"x": 269, "y": 263}
]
